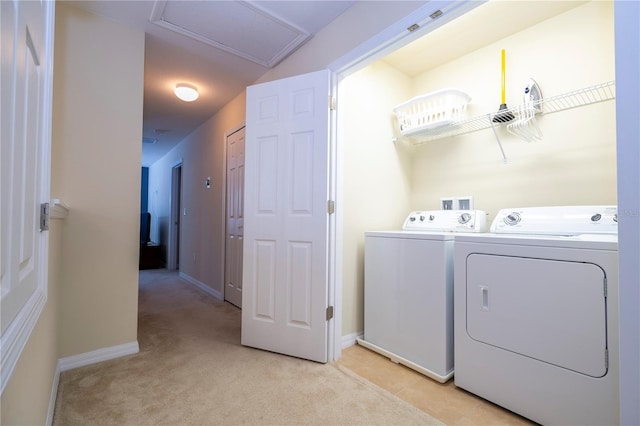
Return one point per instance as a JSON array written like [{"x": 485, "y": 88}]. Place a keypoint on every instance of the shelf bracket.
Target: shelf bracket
[{"x": 495, "y": 133}]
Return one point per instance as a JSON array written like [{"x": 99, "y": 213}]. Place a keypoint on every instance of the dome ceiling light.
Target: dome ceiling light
[{"x": 186, "y": 92}]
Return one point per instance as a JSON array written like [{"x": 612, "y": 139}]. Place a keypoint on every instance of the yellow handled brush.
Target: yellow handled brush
[{"x": 503, "y": 115}]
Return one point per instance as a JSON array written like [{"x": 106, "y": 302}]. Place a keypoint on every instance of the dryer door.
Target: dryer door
[{"x": 550, "y": 310}]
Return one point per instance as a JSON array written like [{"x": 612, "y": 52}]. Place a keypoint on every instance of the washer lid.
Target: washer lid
[
  {"x": 559, "y": 220},
  {"x": 446, "y": 221}
]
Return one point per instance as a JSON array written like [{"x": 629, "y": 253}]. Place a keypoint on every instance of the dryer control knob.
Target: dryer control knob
[
  {"x": 512, "y": 219},
  {"x": 596, "y": 217},
  {"x": 464, "y": 218},
  {"x": 431, "y": 218},
  {"x": 421, "y": 218},
  {"x": 412, "y": 219},
  {"x": 615, "y": 218}
]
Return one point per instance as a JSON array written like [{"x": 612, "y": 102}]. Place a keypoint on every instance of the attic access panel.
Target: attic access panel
[{"x": 237, "y": 27}]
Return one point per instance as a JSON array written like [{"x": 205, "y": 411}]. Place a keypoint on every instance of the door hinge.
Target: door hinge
[
  {"x": 329, "y": 312},
  {"x": 331, "y": 207},
  {"x": 44, "y": 217},
  {"x": 332, "y": 103}
]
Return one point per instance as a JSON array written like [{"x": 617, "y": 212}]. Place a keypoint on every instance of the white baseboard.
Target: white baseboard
[
  {"x": 99, "y": 355},
  {"x": 87, "y": 358},
  {"x": 202, "y": 286},
  {"x": 350, "y": 339},
  {"x": 52, "y": 397}
]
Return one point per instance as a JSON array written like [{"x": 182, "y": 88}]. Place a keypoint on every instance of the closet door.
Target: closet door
[{"x": 235, "y": 217}]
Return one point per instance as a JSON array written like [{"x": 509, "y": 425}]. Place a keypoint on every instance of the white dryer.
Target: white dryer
[
  {"x": 408, "y": 290},
  {"x": 536, "y": 314}
]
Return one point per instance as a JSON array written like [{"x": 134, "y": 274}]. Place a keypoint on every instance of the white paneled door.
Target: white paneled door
[
  {"x": 27, "y": 34},
  {"x": 285, "y": 289},
  {"x": 235, "y": 218}
]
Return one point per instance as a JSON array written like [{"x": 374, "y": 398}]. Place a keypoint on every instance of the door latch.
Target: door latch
[
  {"x": 329, "y": 312},
  {"x": 44, "y": 217}
]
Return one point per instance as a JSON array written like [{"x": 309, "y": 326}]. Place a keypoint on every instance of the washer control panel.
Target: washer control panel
[
  {"x": 446, "y": 221},
  {"x": 558, "y": 220}
]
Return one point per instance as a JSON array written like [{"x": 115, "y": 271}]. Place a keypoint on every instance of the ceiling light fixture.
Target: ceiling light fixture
[{"x": 186, "y": 92}]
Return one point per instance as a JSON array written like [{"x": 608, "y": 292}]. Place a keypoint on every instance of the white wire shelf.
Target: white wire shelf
[{"x": 577, "y": 98}]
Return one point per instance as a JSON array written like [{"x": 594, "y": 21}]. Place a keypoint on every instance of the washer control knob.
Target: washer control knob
[
  {"x": 421, "y": 218},
  {"x": 615, "y": 218},
  {"x": 512, "y": 219},
  {"x": 431, "y": 218},
  {"x": 412, "y": 218},
  {"x": 464, "y": 218},
  {"x": 596, "y": 217}
]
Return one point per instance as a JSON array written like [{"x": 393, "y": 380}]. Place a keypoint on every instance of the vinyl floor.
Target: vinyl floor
[{"x": 444, "y": 401}]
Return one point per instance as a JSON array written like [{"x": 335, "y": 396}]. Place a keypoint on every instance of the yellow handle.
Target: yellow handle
[{"x": 503, "y": 79}]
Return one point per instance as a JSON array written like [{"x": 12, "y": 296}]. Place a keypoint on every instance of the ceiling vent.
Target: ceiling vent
[
  {"x": 149, "y": 141},
  {"x": 242, "y": 28}
]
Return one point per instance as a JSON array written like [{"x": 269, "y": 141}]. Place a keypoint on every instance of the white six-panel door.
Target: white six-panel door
[
  {"x": 27, "y": 52},
  {"x": 286, "y": 220},
  {"x": 235, "y": 217}
]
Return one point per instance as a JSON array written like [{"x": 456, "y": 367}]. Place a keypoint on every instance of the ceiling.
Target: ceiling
[
  {"x": 218, "y": 46},
  {"x": 483, "y": 25}
]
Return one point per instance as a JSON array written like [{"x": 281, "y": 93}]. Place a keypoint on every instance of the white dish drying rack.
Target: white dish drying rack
[{"x": 577, "y": 98}]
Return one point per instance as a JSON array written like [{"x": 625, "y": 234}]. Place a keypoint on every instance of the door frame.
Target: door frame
[
  {"x": 173, "y": 241},
  {"x": 224, "y": 203},
  {"x": 392, "y": 38}
]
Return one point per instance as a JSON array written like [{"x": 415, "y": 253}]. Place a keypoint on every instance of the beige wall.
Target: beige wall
[
  {"x": 377, "y": 172},
  {"x": 93, "y": 253},
  {"x": 575, "y": 163},
  {"x": 98, "y": 86}
]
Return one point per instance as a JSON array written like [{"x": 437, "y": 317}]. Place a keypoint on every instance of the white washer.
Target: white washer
[
  {"x": 408, "y": 290},
  {"x": 536, "y": 314}
]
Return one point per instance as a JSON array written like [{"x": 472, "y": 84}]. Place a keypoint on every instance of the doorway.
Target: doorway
[{"x": 173, "y": 257}]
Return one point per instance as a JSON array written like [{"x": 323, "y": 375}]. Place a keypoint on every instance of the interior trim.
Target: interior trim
[{"x": 99, "y": 355}]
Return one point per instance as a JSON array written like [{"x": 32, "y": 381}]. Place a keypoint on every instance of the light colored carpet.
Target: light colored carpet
[{"x": 192, "y": 370}]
